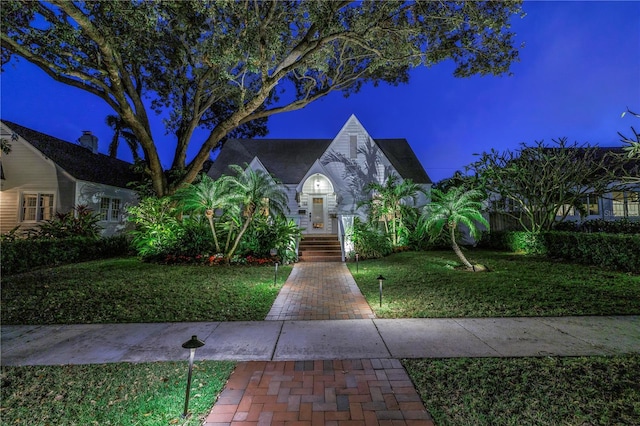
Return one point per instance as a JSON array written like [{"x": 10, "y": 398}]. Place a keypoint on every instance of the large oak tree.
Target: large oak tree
[{"x": 228, "y": 65}]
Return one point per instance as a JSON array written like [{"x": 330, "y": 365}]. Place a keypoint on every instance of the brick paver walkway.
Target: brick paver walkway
[
  {"x": 320, "y": 291},
  {"x": 354, "y": 392},
  {"x": 349, "y": 392}
]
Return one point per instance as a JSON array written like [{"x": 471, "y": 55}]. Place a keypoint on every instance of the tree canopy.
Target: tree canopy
[
  {"x": 538, "y": 182},
  {"x": 228, "y": 65}
]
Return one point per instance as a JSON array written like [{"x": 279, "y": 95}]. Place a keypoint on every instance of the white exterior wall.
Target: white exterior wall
[
  {"x": 90, "y": 194},
  {"x": 347, "y": 185},
  {"x": 26, "y": 170}
]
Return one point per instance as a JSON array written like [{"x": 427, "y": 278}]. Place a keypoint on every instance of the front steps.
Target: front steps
[{"x": 320, "y": 248}]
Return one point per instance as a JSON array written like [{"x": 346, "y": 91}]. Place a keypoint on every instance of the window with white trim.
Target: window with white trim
[
  {"x": 110, "y": 209},
  {"x": 37, "y": 207},
  {"x": 626, "y": 204},
  {"x": 591, "y": 204},
  {"x": 566, "y": 210}
]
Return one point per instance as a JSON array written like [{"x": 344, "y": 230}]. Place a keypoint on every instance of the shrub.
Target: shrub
[
  {"x": 25, "y": 254},
  {"x": 267, "y": 233},
  {"x": 515, "y": 241},
  {"x": 611, "y": 251},
  {"x": 157, "y": 229},
  {"x": 81, "y": 221},
  {"x": 620, "y": 226},
  {"x": 369, "y": 242},
  {"x": 195, "y": 238},
  {"x": 526, "y": 242}
]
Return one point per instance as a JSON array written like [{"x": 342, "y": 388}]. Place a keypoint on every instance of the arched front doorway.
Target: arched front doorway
[{"x": 320, "y": 199}]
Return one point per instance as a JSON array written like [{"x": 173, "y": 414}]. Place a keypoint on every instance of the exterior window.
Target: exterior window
[
  {"x": 353, "y": 146},
  {"x": 618, "y": 204},
  {"x": 37, "y": 207},
  {"x": 566, "y": 208},
  {"x": 626, "y": 204},
  {"x": 110, "y": 209},
  {"x": 633, "y": 203},
  {"x": 590, "y": 204}
]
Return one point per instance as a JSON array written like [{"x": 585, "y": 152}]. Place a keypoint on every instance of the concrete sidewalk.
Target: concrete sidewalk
[{"x": 322, "y": 340}]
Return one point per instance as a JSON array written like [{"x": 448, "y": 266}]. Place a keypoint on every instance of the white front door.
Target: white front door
[{"x": 318, "y": 214}]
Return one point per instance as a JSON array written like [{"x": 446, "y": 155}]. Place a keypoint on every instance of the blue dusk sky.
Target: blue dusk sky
[{"x": 579, "y": 70}]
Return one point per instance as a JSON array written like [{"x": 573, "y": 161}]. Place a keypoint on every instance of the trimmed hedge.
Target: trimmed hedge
[
  {"x": 620, "y": 226},
  {"x": 25, "y": 254},
  {"x": 611, "y": 251}
]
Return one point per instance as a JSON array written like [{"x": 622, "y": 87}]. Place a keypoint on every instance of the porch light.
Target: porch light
[
  {"x": 380, "y": 279},
  {"x": 192, "y": 344}
]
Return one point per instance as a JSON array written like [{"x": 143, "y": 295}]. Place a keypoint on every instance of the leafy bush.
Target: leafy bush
[
  {"x": 620, "y": 226},
  {"x": 157, "y": 229},
  {"x": 25, "y": 254},
  {"x": 515, "y": 241},
  {"x": 526, "y": 242},
  {"x": 195, "y": 238},
  {"x": 611, "y": 251},
  {"x": 369, "y": 242},
  {"x": 267, "y": 233},
  {"x": 11, "y": 235},
  {"x": 81, "y": 221}
]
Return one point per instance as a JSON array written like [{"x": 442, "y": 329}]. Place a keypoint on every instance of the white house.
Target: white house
[
  {"x": 324, "y": 178},
  {"x": 42, "y": 175}
]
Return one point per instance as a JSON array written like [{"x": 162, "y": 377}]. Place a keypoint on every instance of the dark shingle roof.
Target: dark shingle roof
[
  {"x": 399, "y": 152},
  {"x": 290, "y": 159},
  {"x": 79, "y": 162},
  {"x": 286, "y": 159}
]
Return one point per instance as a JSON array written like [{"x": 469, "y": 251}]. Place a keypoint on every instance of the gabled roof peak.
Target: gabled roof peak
[{"x": 76, "y": 160}]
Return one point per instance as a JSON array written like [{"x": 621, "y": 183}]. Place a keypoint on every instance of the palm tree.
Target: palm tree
[
  {"x": 205, "y": 197},
  {"x": 121, "y": 130},
  {"x": 388, "y": 201},
  {"x": 258, "y": 193},
  {"x": 457, "y": 206}
]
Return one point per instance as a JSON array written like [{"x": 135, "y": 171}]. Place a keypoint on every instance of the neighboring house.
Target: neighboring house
[
  {"x": 324, "y": 178},
  {"x": 621, "y": 201},
  {"x": 43, "y": 175}
]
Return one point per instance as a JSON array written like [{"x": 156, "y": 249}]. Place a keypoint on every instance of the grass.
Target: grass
[
  {"x": 110, "y": 394},
  {"x": 426, "y": 284},
  {"x": 530, "y": 391},
  {"x": 128, "y": 290},
  {"x": 479, "y": 391}
]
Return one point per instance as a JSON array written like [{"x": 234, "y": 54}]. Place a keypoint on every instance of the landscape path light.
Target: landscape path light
[
  {"x": 191, "y": 344},
  {"x": 357, "y": 256},
  {"x": 380, "y": 279},
  {"x": 274, "y": 252}
]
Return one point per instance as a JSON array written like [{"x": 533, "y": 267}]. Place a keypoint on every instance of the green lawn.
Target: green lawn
[
  {"x": 110, "y": 394},
  {"x": 485, "y": 391},
  {"x": 529, "y": 391},
  {"x": 128, "y": 290},
  {"x": 426, "y": 284}
]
